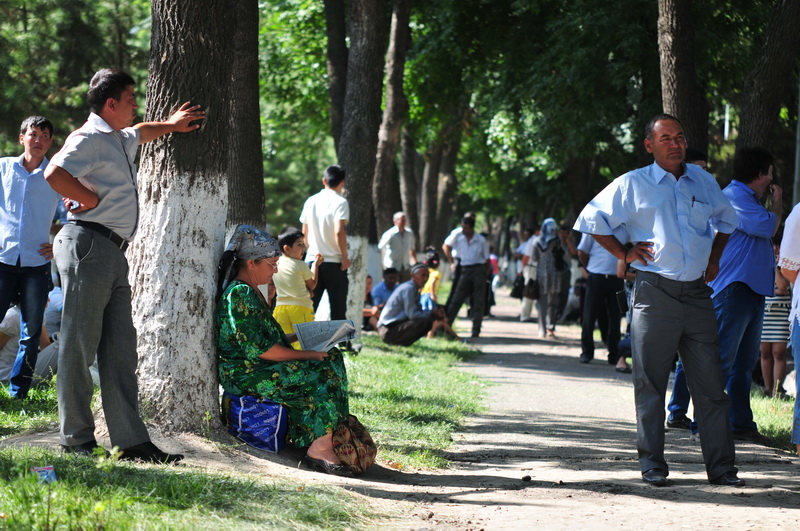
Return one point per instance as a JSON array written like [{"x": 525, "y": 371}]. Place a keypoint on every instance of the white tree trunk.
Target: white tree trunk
[
  {"x": 357, "y": 247},
  {"x": 173, "y": 275}
]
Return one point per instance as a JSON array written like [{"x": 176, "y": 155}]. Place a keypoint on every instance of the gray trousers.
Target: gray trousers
[
  {"x": 96, "y": 319},
  {"x": 670, "y": 316}
]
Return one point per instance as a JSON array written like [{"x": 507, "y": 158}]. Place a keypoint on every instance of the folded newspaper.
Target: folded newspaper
[{"x": 323, "y": 335}]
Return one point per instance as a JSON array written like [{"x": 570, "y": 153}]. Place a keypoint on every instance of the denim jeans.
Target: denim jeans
[
  {"x": 795, "y": 350},
  {"x": 32, "y": 284},
  {"x": 740, "y": 315}
]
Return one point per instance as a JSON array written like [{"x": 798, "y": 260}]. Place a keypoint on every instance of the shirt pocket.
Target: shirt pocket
[{"x": 699, "y": 216}]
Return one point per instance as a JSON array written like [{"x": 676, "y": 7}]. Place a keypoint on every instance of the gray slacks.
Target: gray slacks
[
  {"x": 670, "y": 316},
  {"x": 96, "y": 319}
]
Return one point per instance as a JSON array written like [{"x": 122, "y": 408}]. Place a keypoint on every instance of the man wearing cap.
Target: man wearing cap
[
  {"x": 95, "y": 171},
  {"x": 403, "y": 321}
]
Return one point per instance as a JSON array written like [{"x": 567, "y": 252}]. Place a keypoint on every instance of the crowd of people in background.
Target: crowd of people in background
[{"x": 703, "y": 276}]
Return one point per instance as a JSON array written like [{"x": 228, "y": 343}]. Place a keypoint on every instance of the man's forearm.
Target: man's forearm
[
  {"x": 611, "y": 244},
  {"x": 149, "y": 131},
  {"x": 720, "y": 241},
  {"x": 65, "y": 184}
]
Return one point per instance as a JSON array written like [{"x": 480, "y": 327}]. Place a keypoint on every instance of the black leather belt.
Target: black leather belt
[
  {"x": 115, "y": 238},
  {"x": 603, "y": 276}
]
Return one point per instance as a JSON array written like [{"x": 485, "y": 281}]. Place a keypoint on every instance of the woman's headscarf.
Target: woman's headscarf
[
  {"x": 247, "y": 243},
  {"x": 548, "y": 232}
]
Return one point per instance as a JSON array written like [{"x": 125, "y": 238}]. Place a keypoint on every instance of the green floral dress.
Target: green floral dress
[{"x": 314, "y": 392}]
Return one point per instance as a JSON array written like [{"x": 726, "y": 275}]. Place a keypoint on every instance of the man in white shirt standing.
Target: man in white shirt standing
[
  {"x": 473, "y": 252},
  {"x": 324, "y": 218},
  {"x": 397, "y": 247}
]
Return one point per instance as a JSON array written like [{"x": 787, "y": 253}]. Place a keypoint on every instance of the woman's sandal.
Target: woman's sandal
[{"x": 321, "y": 465}]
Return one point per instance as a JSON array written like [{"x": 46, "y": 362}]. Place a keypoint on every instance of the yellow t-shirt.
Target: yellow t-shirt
[
  {"x": 290, "y": 282},
  {"x": 432, "y": 285}
]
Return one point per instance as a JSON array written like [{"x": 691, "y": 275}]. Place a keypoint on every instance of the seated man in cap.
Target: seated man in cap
[{"x": 403, "y": 320}]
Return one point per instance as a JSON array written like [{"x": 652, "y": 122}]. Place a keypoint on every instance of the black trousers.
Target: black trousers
[
  {"x": 331, "y": 277},
  {"x": 601, "y": 298}
]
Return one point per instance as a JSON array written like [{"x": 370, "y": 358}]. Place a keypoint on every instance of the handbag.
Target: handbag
[
  {"x": 354, "y": 445},
  {"x": 518, "y": 287},
  {"x": 532, "y": 289},
  {"x": 256, "y": 421}
]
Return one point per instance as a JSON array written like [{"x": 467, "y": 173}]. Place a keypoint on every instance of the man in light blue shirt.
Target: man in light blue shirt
[
  {"x": 670, "y": 210},
  {"x": 746, "y": 276},
  {"x": 384, "y": 289},
  {"x": 27, "y": 206}
]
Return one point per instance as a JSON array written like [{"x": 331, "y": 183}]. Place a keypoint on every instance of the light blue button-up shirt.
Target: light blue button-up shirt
[
  {"x": 678, "y": 216},
  {"x": 27, "y": 206},
  {"x": 749, "y": 256},
  {"x": 601, "y": 262},
  {"x": 403, "y": 304}
]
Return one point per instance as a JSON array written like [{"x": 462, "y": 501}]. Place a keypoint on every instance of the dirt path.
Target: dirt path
[{"x": 556, "y": 450}]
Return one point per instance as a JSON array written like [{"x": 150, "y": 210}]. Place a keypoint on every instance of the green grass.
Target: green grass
[
  {"x": 411, "y": 400},
  {"x": 774, "y": 418},
  {"x": 110, "y": 495}
]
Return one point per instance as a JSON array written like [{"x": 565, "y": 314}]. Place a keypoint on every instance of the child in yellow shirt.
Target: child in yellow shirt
[
  {"x": 293, "y": 282},
  {"x": 429, "y": 298}
]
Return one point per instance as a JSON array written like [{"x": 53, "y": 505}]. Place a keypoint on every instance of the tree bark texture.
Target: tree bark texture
[
  {"x": 448, "y": 188},
  {"x": 680, "y": 93},
  {"x": 336, "y": 30},
  {"x": 245, "y": 159},
  {"x": 429, "y": 195},
  {"x": 385, "y": 183},
  {"x": 409, "y": 188},
  {"x": 768, "y": 81},
  {"x": 368, "y": 28},
  {"x": 183, "y": 206}
]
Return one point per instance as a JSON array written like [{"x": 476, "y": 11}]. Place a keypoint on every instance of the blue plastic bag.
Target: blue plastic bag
[{"x": 256, "y": 421}]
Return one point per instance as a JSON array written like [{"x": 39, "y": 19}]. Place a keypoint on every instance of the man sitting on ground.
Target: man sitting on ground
[{"x": 403, "y": 321}]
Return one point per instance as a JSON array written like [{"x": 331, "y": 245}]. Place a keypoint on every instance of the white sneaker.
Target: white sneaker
[{"x": 694, "y": 437}]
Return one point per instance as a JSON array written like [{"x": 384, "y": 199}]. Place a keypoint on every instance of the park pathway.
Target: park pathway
[{"x": 556, "y": 450}]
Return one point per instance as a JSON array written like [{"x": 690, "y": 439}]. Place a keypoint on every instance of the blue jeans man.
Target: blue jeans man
[{"x": 30, "y": 286}]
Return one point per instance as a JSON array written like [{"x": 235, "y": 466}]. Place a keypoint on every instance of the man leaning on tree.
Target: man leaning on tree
[{"x": 95, "y": 172}]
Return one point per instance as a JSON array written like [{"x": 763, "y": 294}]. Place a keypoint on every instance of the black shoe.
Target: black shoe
[
  {"x": 728, "y": 479},
  {"x": 752, "y": 436},
  {"x": 329, "y": 468},
  {"x": 584, "y": 359},
  {"x": 682, "y": 423},
  {"x": 86, "y": 449},
  {"x": 655, "y": 477},
  {"x": 150, "y": 453},
  {"x": 623, "y": 370}
]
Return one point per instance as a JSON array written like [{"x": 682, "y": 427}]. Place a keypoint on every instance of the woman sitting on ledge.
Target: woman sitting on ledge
[{"x": 256, "y": 358}]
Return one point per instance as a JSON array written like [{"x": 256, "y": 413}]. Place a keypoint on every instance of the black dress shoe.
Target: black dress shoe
[
  {"x": 329, "y": 468},
  {"x": 728, "y": 479},
  {"x": 149, "y": 453},
  {"x": 655, "y": 477},
  {"x": 679, "y": 424},
  {"x": 86, "y": 449},
  {"x": 584, "y": 359}
]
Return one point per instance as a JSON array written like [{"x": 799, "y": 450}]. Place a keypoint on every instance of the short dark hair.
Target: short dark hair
[
  {"x": 648, "y": 130},
  {"x": 334, "y": 175},
  {"x": 750, "y": 162},
  {"x": 468, "y": 220},
  {"x": 107, "y": 83},
  {"x": 36, "y": 121},
  {"x": 695, "y": 154},
  {"x": 432, "y": 259},
  {"x": 389, "y": 271},
  {"x": 289, "y": 236}
]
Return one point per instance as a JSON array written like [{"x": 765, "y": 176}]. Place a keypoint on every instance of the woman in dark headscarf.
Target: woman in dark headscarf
[
  {"x": 256, "y": 358},
  {"x": 550, "y": 255}
]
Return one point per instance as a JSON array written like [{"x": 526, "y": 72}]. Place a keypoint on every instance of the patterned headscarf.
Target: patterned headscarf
[
  {"x": 247, "y": 243},
  {"x": 549, "y": 232}
]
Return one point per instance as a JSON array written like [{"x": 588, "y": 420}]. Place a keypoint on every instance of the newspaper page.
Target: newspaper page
[{"x": 323, "y": 335}]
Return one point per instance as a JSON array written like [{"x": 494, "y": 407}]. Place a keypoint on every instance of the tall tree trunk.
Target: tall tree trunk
[
  {"x": 448, "y": 188},
  {"x": 336, "y": 30},
  {"x": 385, "y": 181},
  {"x": 680, "y": 94},
  {"x": 768, "y": 80},
  {"x": 409, "y": 189},
  {"x": 428, "y": 200},
  {"x": 368, "y": 28},
  {"x": 245, "y": 162},
  {"x": 183, "y": 200}
]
